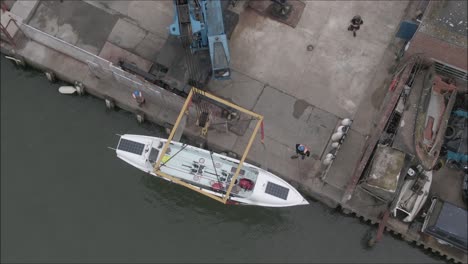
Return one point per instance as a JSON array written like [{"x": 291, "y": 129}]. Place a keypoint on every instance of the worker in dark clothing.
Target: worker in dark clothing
[
  {"x": 301, "y": 150},
  {"x": 356, "y": 23}
]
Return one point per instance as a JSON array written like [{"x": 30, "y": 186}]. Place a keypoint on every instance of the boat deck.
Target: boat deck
[
  {"x": 200, "y": 167},
  {"x": 207, "y": 171}
]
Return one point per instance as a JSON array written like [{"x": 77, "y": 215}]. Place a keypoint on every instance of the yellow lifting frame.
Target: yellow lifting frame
[{"x": 157, "y": 166}]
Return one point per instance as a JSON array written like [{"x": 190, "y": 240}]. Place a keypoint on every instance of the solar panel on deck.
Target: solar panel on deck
[
  {"x": 276, "y": 190},
  {"x": 131, "y": 146}
]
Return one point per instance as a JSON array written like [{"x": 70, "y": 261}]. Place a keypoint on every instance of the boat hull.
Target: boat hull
[
  {"x": 268, "y": 189},
  {"x": 411, "y": 201}
]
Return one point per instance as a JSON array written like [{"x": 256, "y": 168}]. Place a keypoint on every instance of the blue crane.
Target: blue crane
[{"x": 200, "y": 23}]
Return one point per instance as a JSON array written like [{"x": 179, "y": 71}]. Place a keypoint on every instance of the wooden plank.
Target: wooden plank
[
  {"x": 243, "y": 110},
  {"x": 377, "y": 133},
  {"x": 157, "y": 166},
  {"x": 382, "y": 224},
  {"x": 197, "y": 189},
  {"x": 180, "y": 128},
  {"x": 169, "y": 139},
  {"x": 264, "y": 8},
  {"x": 241, "y": 163},
  {"x": 114, "y": 53}
]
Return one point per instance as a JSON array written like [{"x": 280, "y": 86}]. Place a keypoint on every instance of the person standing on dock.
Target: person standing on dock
[
  {"x": 301, "y": 150},
  {"x": 138, "y": 96},
  {"x": 356, "y": 23}
]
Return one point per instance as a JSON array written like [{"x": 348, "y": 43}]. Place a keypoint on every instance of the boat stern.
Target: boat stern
[{"x": 272, "y": 191}]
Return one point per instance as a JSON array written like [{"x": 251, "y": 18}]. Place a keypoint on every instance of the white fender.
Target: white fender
[
  {"x": 337, "y": 136},
  {"x": 67, "y": 90},
  {"x": 346, "y": 122}
]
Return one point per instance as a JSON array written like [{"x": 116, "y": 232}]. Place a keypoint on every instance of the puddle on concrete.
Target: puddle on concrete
[{"x": 299, "y": 108}]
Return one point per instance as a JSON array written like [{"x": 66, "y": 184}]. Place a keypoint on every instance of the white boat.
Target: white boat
[
  {"x": 413, "y": 195},
  {"x": 208, "y": 171}
]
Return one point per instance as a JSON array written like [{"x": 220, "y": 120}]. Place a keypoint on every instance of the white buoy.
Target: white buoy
[
  {"x": 67, "y": 90},
  {"x": 346, "y": 122},
  {"x": 337, "y": 136},
  {"x": 329, "y": 156},
  {"x": 335, "y": 144}
]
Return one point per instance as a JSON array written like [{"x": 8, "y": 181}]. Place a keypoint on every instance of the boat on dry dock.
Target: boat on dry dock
[
  {"x": 435, "y": 106},
  {"x": 208, "y": 171},
  {"x": 413, "y": 194}
]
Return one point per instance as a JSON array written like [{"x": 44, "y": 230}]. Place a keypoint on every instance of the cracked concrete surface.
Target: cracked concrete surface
[
  {"x": 75, "y": 22},
  {"x": 302, "y": 94},
  {"x": 335, "y": 75}
]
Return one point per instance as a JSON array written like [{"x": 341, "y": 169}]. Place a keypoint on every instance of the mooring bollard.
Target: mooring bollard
[
  {"x": 79, "y": 88},
  {"x": 140, "y": 117},
  {"x": 110, "y": 104},
  {"x": 50, "y": 76}
]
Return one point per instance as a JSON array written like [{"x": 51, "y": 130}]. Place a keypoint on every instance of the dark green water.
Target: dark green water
[{"x": 65, "y": 197}]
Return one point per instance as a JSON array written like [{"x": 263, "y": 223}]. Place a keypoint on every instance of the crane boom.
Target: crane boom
[{"x": 201, "y": 21}]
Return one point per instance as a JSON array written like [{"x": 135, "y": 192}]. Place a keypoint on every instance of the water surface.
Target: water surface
[{"x": 65, "y": 197}]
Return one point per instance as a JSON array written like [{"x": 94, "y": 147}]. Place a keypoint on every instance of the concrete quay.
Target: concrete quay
[{"x": 302, "y": 94}]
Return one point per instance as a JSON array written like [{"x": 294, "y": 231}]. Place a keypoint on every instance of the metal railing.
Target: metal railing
[
  {"x": 450, "y": 71},
  {"x": 4, "y": 31},
  {"x": 101, "y": 67}
]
